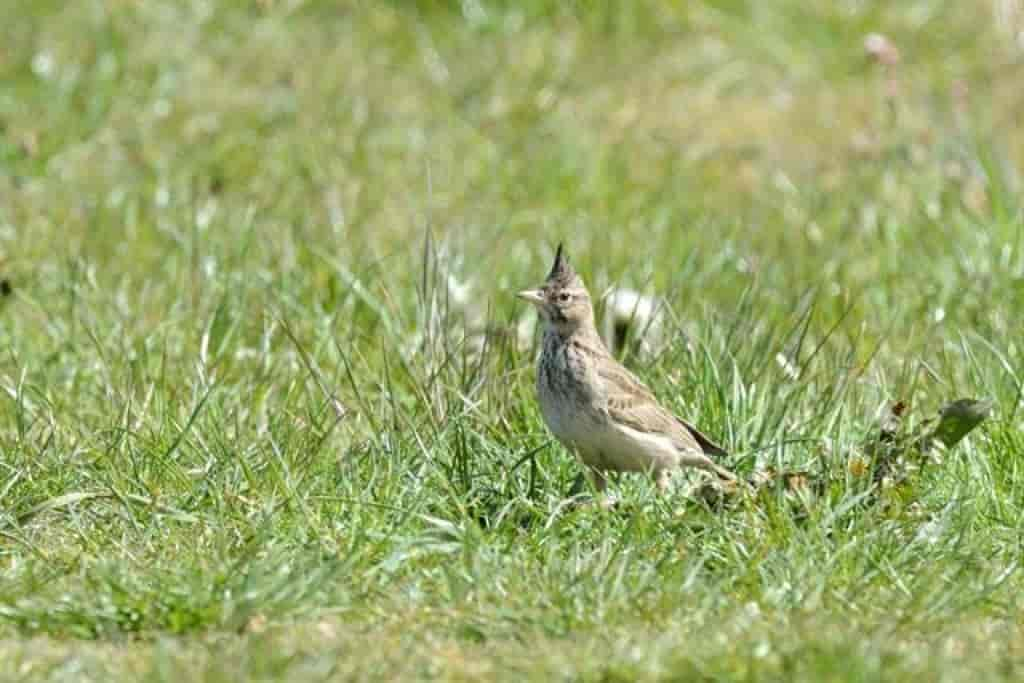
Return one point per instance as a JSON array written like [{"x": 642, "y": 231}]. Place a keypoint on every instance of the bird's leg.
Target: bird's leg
[
  {"x": 600, "y": 483},
  {"x": 662, "y": 479}
]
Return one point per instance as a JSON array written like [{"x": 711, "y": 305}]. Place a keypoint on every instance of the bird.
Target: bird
[{"x": 594, "y": 406}]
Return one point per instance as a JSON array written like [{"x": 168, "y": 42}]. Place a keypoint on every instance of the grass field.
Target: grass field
[{"x": 251, "y": 426}]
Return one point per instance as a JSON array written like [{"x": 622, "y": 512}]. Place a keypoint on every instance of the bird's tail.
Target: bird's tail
[{"x": 706, "y": 444}]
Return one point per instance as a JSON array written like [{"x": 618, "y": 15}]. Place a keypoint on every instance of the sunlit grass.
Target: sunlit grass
[{"x": 266, "y": 400}]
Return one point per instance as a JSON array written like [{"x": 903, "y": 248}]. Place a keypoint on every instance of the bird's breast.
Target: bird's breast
[{"x": 569, "y": 393}]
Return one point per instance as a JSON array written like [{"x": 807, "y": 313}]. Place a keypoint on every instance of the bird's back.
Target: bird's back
[{"x": 596, "y": 406}]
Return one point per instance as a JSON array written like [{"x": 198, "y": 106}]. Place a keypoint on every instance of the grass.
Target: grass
[{"x": 265, "y": 414}]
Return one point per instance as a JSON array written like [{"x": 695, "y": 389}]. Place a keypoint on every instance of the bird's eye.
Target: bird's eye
[{"x": 564, "y": 297}]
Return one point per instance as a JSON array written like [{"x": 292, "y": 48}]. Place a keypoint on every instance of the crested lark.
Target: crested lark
[{"x": 597, "y": 408}]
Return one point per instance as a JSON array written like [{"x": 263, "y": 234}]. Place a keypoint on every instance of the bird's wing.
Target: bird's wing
[{"x": 631, "y": 403}]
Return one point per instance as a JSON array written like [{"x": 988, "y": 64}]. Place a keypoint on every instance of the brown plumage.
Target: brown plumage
[{"x": 596, "y": 407}]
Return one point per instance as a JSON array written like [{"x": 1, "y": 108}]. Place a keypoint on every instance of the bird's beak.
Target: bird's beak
[{"x": 532, "y": 295}]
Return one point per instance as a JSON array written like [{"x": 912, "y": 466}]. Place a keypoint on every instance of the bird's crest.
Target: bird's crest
[{"x": 562, "y": 272}]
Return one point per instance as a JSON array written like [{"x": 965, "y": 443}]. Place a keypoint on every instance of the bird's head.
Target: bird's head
[{"x": 563, "y": 300}]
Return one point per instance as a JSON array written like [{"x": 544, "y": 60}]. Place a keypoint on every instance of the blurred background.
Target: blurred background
[{"x": 267, "y": 148}]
